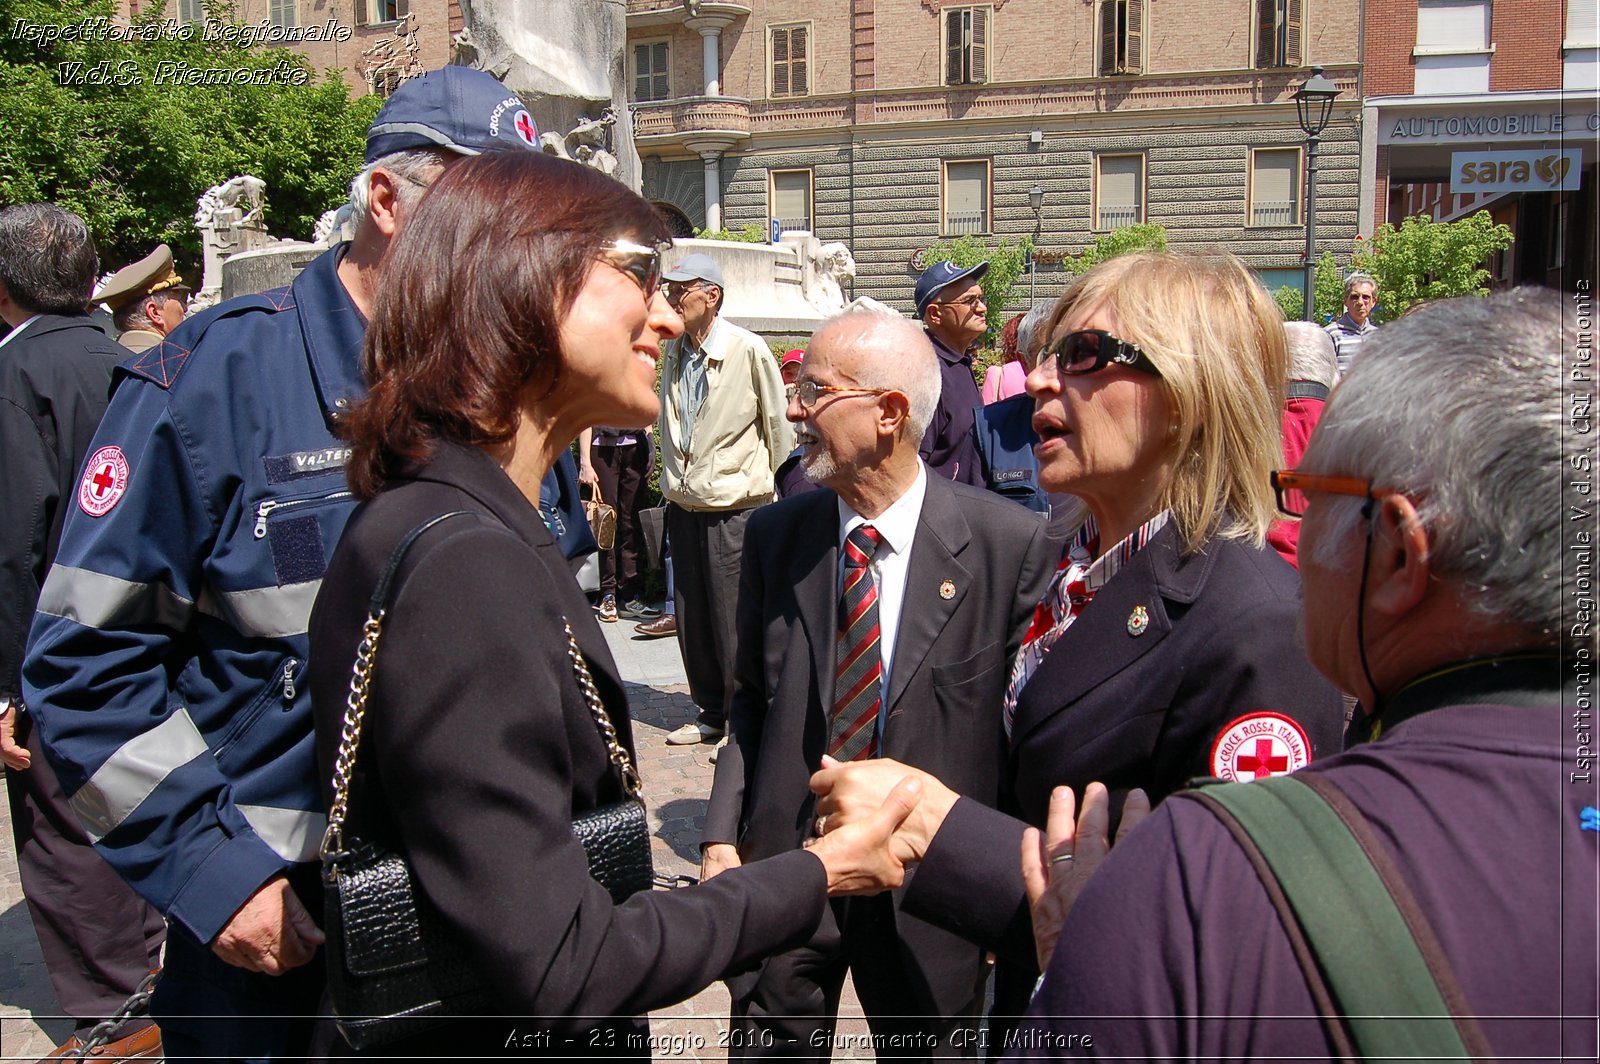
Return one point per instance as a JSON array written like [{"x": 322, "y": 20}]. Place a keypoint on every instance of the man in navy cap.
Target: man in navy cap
[
  {"x": 951, "y": 305},
  {"x": 166, "y": 659}
]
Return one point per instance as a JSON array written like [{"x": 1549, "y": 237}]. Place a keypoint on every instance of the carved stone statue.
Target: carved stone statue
[
  {"x": 229, "y": 217},
  {"x": 824, "y": 271},
  {"x": 566, "y": 61}
]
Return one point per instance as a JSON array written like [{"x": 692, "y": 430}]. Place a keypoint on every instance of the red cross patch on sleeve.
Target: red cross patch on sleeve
[
  {"x": 1259, "y": 745},
  {"x": 105, "y": 480}
]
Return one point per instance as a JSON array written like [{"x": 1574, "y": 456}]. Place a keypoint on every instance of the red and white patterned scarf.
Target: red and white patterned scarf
[{"x": 1079, "y": 576}]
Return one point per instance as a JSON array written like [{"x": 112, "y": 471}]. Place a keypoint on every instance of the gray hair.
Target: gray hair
[
  {"x": 898, "y": 357},
  {"x": 1459, "y": 407},
  {"x": 418, "y": 168},
  {"x": 1029, "y": 334},
  {"x": 1311, "y": 353},
  {"x": 1356, "y": 278},
  {"x": 131, "y": 315},
  {"x": 48, "y": 261}
]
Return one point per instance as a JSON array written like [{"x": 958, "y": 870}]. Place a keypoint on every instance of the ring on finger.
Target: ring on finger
[
  {"x": 822, "y": 824},
  {"x": 1060, "y": 858}
]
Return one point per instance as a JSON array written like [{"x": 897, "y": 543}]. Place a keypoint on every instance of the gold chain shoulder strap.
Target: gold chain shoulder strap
[{"x": 361, "y": 684}]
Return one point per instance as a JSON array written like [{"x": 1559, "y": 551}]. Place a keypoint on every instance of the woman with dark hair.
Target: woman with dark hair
[{"x": 520, "y": 304}]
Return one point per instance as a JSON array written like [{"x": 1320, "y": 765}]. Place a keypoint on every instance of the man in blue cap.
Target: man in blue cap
[
  {"x": 951, "y": 305},
  {"x": 166, "y": 659}
]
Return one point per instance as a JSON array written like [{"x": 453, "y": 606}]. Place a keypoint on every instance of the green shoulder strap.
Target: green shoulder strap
[{"x": 1380, "y": 979}]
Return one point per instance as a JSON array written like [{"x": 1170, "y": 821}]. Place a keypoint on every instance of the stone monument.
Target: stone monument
[{"x": 566, "y": 62}]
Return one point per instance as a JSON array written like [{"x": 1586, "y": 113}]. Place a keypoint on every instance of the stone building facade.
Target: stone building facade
[{"x": 893, "y": 124}]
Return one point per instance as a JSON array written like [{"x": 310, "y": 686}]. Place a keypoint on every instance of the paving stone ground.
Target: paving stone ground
[{"x": 677, "y": 781}]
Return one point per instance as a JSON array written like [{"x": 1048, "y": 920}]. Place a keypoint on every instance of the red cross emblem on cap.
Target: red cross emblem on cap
[
  {"x": 525, "y": 127},
  {"x": 1258, "y": 746},
  {"x": 105, "y": 480}
]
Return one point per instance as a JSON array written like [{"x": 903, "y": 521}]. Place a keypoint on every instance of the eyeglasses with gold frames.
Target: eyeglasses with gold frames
[{"x": 1292, "y": 487}]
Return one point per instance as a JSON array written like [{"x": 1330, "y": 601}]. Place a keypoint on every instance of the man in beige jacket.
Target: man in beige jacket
[{"x": 722, "y": 434}]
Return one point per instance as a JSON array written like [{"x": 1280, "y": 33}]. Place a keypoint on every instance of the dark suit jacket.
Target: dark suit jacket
[
  {"x": 951, "y": 662},
  {"x": 55, "y": 379},
  {"x": 479, "y": 750},
  {"x": 1222, "y": 641}
]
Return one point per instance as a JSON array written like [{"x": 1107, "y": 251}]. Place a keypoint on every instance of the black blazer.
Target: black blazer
[
  {"x": 479, "y": 751},
  {"x": 1222, "y": 640},
  {"x": 951, "y": 663}
]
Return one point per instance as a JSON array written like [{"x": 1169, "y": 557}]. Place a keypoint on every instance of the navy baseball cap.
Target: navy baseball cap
[
  {"x": 456, "y": 108},
  {"x": 941, "y": 275},
  {"x": 696, "y": 267}
]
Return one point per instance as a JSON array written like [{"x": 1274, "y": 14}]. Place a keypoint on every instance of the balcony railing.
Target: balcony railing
[
  {"x": 961, "y": 224},
  {"x": 1117, "y": 217},
  {"x": 691, "y": 114},
  {"x": 1274, "y": 212},
  {"x": 790, "y": 225}
]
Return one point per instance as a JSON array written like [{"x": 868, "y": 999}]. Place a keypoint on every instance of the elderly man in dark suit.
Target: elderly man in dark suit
[{"x": 878, "y": 618}]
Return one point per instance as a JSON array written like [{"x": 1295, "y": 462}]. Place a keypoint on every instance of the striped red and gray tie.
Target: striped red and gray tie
[{"x": 853, "y": 735}]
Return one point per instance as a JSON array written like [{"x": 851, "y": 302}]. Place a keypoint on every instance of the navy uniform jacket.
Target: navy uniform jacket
[
  {"x": 1174, "y": 949},
  {"x": 165, "y": 663},
  {"x": 55, "y": 376},
  {"x": 1131, "y": 706},
  {"x": 948, "y": 446},
  {"x": 952, "y": 657},
  {"x": 479, "y": 751}
]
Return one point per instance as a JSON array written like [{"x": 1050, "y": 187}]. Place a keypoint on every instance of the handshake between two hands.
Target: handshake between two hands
[{"x": 873, "y": 818}]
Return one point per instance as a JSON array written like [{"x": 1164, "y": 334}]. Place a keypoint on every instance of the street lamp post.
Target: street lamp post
[
  {"x": 1036, "y": 201},
  {"x": 1313, "y": 105}
]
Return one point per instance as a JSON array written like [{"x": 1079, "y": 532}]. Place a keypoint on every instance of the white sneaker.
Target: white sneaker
[{"x": 694, "y": 733}]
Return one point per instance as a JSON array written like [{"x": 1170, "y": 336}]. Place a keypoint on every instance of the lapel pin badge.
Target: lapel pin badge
[
  {"x": 1138, "y": 621},
  {"x": 947, "y": 590}
]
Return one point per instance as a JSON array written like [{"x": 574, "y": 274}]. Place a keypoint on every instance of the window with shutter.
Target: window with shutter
[
  {"x": 1114, "y": 37},
  {"x": 966, "y": 197},
  {"x": 1277, "y": 33},
  {"x": 790, "y": 60},
  {"x": 1275, "y": 186},
  {"x": 191, "y": 12},
  {"x": 281, "y": 13},
  {"x": 651, "y": 71},
  {"x": 966, "y": 45},
  {"x": 1119, "y": 191},
  {"x": 791, "y": 199}
]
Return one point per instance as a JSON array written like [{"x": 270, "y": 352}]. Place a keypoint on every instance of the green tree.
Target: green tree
[
  {"x": 1423, "y": 259},
  {"x": 115, "y": 129},
  {"x": 1327, "y": 291},
  {"x": 1142, "y": 237},
  {"x": 999, "y": 283},
  {"x": 750, "y": 234}
]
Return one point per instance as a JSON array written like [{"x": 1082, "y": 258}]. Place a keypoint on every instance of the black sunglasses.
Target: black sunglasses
[
  {"x": 1091, "y": 350},
  {"x": 638, "y": 261}
]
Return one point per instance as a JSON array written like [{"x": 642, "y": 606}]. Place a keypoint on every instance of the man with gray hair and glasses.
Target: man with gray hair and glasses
[
  {"x": 1349, "y": 329},
  {"x": 167, "y": 658},
  {"x": 1447, "y": 587}
]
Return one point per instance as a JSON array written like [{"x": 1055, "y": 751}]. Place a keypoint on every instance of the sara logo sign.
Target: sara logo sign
[{"x": 1515, "y": 171}]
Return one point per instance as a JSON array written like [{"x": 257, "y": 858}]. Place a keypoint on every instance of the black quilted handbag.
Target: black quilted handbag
[{"x": 394, "y": 968}]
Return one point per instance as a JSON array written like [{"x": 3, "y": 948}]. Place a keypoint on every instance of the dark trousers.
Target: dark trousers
[
  {"x": 789, "y": 1008},
  {"x": 623, "y": 470},
  {"x": 706, "y": 550},
  {"x": 98, "y": 937},
  {"x": 209, "y": 1009}
]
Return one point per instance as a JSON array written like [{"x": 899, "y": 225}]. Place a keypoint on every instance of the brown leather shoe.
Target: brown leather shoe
[
  {"x": 661, "y": 626},
  {"x": 143, "y": 1044}
]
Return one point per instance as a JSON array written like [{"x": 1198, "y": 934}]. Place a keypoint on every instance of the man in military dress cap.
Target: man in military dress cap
[{"x": 146, "y": 300}]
